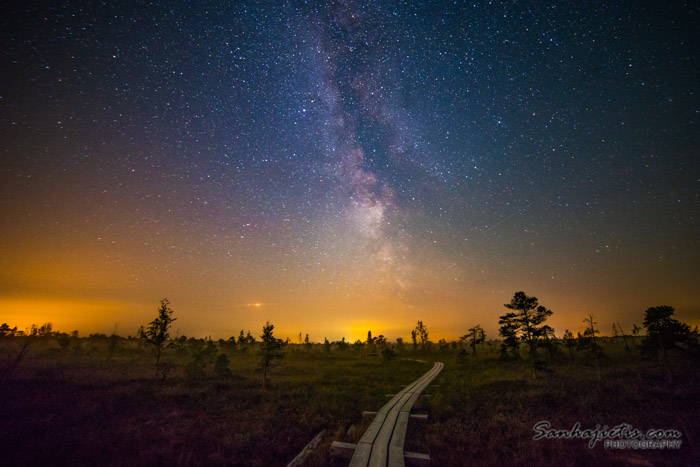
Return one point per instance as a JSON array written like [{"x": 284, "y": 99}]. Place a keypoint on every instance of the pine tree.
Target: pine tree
[
  {"x": 663, "y": 333},
  {"x": 476, "y": 335},
  {"x": 526, "y": 319},
  {"x": 157, "y": 333},
  {"x": 270, "y": 349},
  {"x": 509, "y": 332}
]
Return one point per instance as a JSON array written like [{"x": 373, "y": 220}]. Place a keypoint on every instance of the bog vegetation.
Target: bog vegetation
[{"x": 253, "y": 399}]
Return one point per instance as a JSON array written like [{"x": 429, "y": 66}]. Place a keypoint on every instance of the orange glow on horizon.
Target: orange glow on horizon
[
  {"x": 67, "y": 315},
  {"x": 447, "y": 320}
]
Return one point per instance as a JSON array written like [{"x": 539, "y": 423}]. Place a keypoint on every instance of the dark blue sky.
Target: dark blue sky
[{"x": 358, "y": 162}]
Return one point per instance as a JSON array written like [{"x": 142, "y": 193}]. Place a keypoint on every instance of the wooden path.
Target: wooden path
[{"x": 382, "y": 444}]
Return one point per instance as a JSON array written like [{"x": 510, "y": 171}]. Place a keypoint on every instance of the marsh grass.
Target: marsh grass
[
  {"x": 93, "y": 406},
  {"x": 89, "y": 404},
  {"x": 484, "y": 411}
]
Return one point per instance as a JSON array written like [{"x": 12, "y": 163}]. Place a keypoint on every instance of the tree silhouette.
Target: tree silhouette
[
  {"x": 422, "y": 333},
  {"x": 45, "y": 330},
  {"x": 587, "y": 341},
  {"x": 619, "y": 332},
  {"x": 249, "y": 338},
  {"x": 270, "y": 349},
  {"x": 636, "y": 330},
  {"x": 615, "y": 332},
  {"x": 509, "y": 331},
  {"x": 663, "y": 333},
  {"x": 157, "y": 332},
  {"x": 526, "y": 319},
  {"x": 6, "y": 330},
  {"x": 370, "y": 339},
  {"x": 590, "y": 332},
  {"x": 476, "y": 335},
  {"x": 549, "y": 339},
  {"x": 230, "y": 343}
]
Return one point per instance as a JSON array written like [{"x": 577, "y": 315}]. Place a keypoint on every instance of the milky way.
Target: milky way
[{"x": 347, "y": 165}]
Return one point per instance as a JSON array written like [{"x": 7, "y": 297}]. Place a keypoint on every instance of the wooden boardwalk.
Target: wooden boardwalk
[{"x": 383, "y": 442}]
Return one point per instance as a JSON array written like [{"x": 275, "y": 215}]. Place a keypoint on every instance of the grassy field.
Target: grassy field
[
  {"x": 96, "y": 402},
  {"x": 485, "y": 410}
]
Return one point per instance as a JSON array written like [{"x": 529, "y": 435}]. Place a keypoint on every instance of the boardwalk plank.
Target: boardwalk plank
[
  {"x": 383, "y": 442},
  {"x": 396, "y": 452}
]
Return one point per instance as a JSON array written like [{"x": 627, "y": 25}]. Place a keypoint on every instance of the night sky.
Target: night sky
[{"x": 344, "y": 167}]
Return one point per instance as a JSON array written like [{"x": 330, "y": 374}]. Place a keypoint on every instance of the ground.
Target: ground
[{"x": 97, "y": 402}]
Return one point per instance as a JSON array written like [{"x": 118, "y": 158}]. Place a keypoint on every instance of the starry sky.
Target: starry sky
[{"x": 342, "y": 166}]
